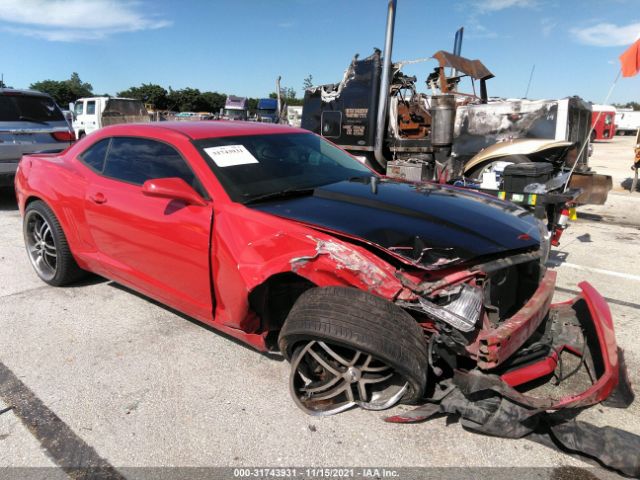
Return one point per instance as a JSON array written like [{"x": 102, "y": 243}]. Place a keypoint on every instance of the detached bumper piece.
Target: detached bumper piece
[
  {"x": 532, "y": 344},
  {"x": 487, "y": 405},
  {"x": 502, "y": 396}
]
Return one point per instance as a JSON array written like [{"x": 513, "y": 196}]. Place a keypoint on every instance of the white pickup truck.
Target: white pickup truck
[{"x": 93, "y": 113}]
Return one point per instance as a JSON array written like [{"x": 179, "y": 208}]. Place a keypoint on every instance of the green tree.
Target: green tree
[
  {"x": 78, "y": 87},
  {"x": 634, "y": 105},
  {"x": 64, "y": 91},
  {"x": 252, "y": 105},
  {"x": 148, "y": 93},
  {"x": 184, "y": 100},
  {"x": 211, "y": 101},
  {"x": 307, "y": 82},
  {"x": 288, "y": 96},
  {"x": 59, "y": 90}
]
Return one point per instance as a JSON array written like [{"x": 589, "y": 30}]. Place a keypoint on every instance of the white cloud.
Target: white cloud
[
  {"x": 497, "y": 5},
  {"x": 547, "y": 25},
  {"x": 477, "y": 31},
  {"x": 607, "y": 34},
  {"x": 73, "y": 20}
]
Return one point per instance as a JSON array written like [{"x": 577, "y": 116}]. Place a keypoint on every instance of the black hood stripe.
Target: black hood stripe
[{"x": 389, "y": 207}]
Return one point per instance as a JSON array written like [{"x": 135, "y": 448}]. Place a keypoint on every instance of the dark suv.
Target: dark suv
[{"x": 30, "y": 122}]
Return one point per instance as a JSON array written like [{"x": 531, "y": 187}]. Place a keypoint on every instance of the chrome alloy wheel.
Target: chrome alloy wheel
[
  {"x": 41, "y": 245},
  {"x": 328, "y": 379}
]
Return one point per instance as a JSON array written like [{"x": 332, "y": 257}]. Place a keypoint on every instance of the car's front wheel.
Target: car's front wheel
[
  {"x": 350, "y": 348},
  {"x": 47, "y": 246}
]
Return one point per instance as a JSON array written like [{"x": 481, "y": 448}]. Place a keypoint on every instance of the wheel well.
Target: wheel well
[
  {"x": 273, "y": 299},
  {"x": 31, "y": 199}
]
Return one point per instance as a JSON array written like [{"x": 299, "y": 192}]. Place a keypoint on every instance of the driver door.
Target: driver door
[{"x": 158, "y": 246}]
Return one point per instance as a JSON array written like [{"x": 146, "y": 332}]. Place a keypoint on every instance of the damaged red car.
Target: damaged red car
[{"x": 374, "y": 289}]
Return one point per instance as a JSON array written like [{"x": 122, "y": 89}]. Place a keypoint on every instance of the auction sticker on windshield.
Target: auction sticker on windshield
[{"x": 230, "y": 155}]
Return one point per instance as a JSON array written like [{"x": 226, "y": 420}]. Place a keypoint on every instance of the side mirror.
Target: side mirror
[{"x": 172, "y": 188}]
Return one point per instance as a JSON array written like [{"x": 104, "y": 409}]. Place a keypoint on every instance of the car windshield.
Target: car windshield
[
  {"x": 28, "y": 108},
  {"x": 233, "y": 113},
  {"x": 256, "y": 166}
]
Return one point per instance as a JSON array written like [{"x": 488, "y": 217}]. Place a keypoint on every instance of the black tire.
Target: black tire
[
  {"x": 476, "y": 172},
  {"x": 356, "y": 319},
  {"x": 66, "y": 270}
]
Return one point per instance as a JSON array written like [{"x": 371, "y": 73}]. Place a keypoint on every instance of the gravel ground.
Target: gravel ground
[{"x": 146, "y": 387}]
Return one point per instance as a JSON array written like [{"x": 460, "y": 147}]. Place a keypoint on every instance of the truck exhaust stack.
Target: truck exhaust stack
[{"x": 385, "y": 80}]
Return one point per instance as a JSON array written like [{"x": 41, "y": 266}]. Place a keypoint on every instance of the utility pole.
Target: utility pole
[{"x": 530, "y": 78}]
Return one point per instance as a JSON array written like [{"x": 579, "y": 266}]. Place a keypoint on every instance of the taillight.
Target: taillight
[{"x": 66, "y": 136}]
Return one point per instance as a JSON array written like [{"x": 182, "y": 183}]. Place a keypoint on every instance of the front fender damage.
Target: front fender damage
[
  {"x": 316, "y": 258},
  {"x": 335, "y": 261}
]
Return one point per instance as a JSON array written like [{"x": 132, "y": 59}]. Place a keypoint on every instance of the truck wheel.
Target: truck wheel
[
  {"x": 348, "y": 347},
  {"x": 477, "y": 171},
  {"x": 47, "y": 246}
]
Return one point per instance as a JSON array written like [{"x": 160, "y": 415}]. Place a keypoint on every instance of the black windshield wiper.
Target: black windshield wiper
[
  {"x": 31, "y": 119},
  {"x": 287, "y": 192}
]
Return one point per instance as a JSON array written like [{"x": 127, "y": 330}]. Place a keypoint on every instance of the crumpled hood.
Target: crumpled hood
[{"x": 428, "y": 224}]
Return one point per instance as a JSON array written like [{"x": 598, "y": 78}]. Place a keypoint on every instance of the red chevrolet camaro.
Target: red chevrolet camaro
[{"x": 374, "y": 289}]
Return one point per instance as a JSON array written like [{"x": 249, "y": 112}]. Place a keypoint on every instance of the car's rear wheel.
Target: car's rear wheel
[
  {"x": 350, "y": 348},
  {"x": 47, "y": 246}
]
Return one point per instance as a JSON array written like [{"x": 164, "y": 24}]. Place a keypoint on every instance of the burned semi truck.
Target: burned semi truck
[{"x": 533, "y": 153}]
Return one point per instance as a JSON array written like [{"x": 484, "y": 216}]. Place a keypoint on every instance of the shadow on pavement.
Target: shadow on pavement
[
  {"x": 8, "y": 200},
  {"x": 271, "y": 355},
  {"x": 90, "y": 279},
  {"x": 626, "y": 184},
  {"x": 557, "y": 258}
]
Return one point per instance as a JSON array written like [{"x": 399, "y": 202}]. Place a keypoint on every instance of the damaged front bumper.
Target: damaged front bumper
[
  {"x": 582, "y": 327},
  {"x": 494, "y": 399}
]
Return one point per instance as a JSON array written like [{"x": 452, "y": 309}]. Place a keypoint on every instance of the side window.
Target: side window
[
  {"x": 136, "y": 160},
  {"x": 91, "y": 107},
  {"x": 331, "y": 124},
  {"x": 94, "y": 156},
  {"x": 79, "y": 108}
]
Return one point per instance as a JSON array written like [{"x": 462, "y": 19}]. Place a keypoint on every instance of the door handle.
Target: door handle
[{"x": 98, "y": 198}]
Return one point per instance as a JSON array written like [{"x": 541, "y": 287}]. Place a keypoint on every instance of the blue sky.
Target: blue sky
[{"x": 241, "y": 46}]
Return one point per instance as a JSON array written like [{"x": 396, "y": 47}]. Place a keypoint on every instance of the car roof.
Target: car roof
[
  {"x": 205, "y": 129},
  {"x": 16, "y": 91}
]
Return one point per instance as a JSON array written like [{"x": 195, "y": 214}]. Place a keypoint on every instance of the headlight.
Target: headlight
[{"x": 462, "y": 313}]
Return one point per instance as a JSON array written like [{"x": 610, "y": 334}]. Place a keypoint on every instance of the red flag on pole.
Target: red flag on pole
[{"x": 630, "y": 60}]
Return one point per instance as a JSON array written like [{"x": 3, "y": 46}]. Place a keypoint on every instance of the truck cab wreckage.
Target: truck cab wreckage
[{"x": 533, "y": 153}]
